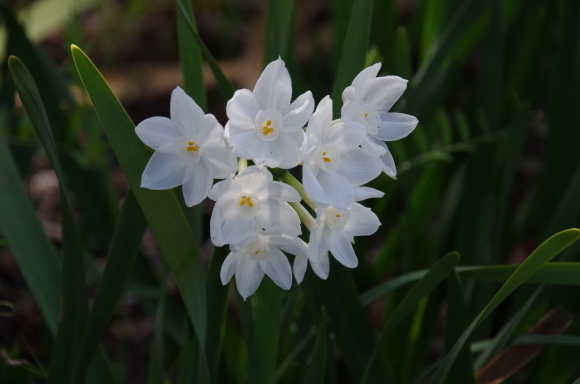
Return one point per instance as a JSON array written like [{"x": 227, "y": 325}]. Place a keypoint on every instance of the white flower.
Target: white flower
[
  {"x": 368, "y": 101},
  {"x": 189, "y": 150},
  {"x": 249, "y": 202},
  {"x": 334, "y": 163},
  {"x": 260, "y": 254},
  {"x": 263, "y": 125},
  {"x": 321, "y": 268},
  {"x": 335, "y": 230}
]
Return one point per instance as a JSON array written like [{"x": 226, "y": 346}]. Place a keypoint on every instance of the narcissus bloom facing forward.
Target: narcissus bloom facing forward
[
  {"x": 249, "y": 202},
  {"x": 261, "y": 253},
  {"x": 189, "y": 150},
  {"x": 263, "y": 125},
  {"x": 334, "y": 163},
  {"x": 335, "y": 230},
  {"x": 368, "y": 101}
]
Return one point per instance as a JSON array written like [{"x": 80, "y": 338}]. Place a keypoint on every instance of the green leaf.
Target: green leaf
[
  {"x": 74, "y": 298},
  {"x": 503, "y": 337},
  {"x": 462, "y": 370},
  {"x": 547, "y": 339},
  {"x": 430, "y": 281},
  {"x": 354, "y": 49},
  {"x": 160, "y": 208},
  {"x": 191, "y": 61},
  {"x": 226, "y": 88},
  {"x": 442, "y": 49},
  {"x": 120, "y": 259},
  {"x": 190, "y": 58},
  {"x": 543, "y": 254},
  {"x": 318, "y": 359},
  {"x": 33, "y": 252},
  {"x": 156, "y": 371},
  {"x": 278, "y": 23},
  {"x": 218, "y": 295},
  {"x": 263, "y": 345},
  {"x": 338, "y": 295}
]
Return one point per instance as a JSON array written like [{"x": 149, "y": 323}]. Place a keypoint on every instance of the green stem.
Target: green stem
[
  {"x": 242, "y": 164},
  {"x": 304, "y": 215},
  {"x": 291, "y": 180}
]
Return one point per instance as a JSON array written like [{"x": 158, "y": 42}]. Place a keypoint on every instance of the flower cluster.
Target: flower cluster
[{"x": 258, "y": 216}]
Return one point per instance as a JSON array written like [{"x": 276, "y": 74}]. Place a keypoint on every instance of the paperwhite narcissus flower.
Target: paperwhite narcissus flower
[
  {"x": 189, "y": 150},
  {"x": 260, "y": 254},
  {"x": 335, "y": 230},
  {"x": 368, "y": 101},
  {"x": 321, "y": 268},
  {"x": 252, "y": 201},
  {"x": 334, "y": 163},
  {"x": 263, "y": 126}
]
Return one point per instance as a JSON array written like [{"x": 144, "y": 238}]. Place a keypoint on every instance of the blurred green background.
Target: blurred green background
[{"x": 491, "y": 171}]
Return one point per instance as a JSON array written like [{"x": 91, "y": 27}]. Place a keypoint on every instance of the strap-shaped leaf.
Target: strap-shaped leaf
[
  {"x": 74, "y": 298},
  {"x": 543, "y": 254},
  {"x": 429, "y": 282},
  {"x": 160, "y": 208}
]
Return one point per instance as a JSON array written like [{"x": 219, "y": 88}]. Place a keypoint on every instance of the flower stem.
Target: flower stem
[
  {"x": 291, "y": 180},
  {"x": 242, "y": 164},
  {"x": 304, "y": 215}
]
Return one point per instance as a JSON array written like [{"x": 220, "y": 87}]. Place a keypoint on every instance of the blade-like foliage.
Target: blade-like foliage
[{"x": 160, "y": 208}]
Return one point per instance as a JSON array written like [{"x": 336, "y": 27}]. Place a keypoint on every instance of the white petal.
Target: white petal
[
  {"x": 249, "y": 274},
  {"x": 215, "y": 225},
  {"x": 278, "y": 268},
  {"x": 298, "y": 112},
  {"x": 312, "y": 187},
  {"x": 346, "y": 136},
  {"x": 289, "y": 145},
  {"x": 293, "y": 245},
  {"x": 317, "y": 246},
  {"x": 158, "y": 131},
  {"x": 389, "y": 166},
  {"x": 197, "y": 183},
  {"x": 395, "y": 126},
  {"x": 242, "y": 108},
  {"x": 363, "y": 193},
  {"x": 164, "y": 171},
  {"x": 256, "y": 168},
  {"x": 252, "y": 182},
  {"x": 362, "y": 221},
  {"x": 222, "y": 160},
  {"x": 279, "y": 191},
  {"x": 366, "y": 75},
  {"x": 337, "y": 188},
  {"x": 266, "y": 152},
  {"x": 321, "y": 268},
  {"x": 359, "y": 167},
  {"x": 224, "y": 190},
  {"x": 274, "y": 214},
  {"x": 299, "y": 267},
  {"x": 242, "y": 140},
  {"x": 341, "y": 248},
  {"x": 321, "y": 118},
  {"x": 234, "y": 229},
  {"x": 384, "y": 92},
  {"x": 274, "y": 87},
  {"x": 228, "y": 268},
  {"x": 185, "y": 111},
  {"x": 374, "y": 146},
  {"x": 209, "y": 131}
]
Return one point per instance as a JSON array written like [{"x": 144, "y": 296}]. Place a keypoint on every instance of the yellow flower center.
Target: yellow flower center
[
  {"x": 192, "y": 147},
  {"x": 268, "y": 128},
  {"x": 325, "y": 158},
  {"x": 246, "y": 200}
]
